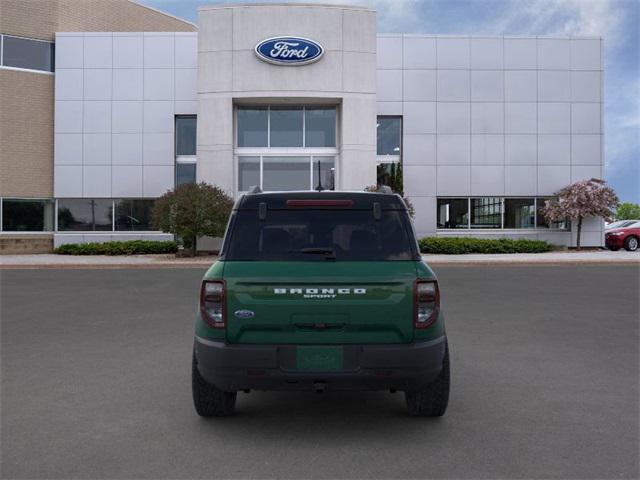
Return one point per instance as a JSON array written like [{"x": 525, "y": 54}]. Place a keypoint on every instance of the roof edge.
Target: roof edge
[{"x": 137, "y": 2}]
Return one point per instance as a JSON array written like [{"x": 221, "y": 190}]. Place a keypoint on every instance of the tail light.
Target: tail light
[
  {"x": 426, "y": 303},
  {"x": 212, "y": 303}
]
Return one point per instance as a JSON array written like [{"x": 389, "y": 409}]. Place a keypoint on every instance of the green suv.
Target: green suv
[{"x": 320, "y": 291}]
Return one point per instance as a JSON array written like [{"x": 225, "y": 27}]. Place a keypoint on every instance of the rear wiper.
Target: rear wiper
[{"x": 328, "y": 252}]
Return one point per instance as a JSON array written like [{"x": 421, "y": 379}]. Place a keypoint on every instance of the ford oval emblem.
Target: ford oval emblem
[
  {"x": 244, "y": 313},
  {"x": 289, "y": 51}
]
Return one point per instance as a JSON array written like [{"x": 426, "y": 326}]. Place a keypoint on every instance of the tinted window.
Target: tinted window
[
  {"x": 486, "y": 212},
  {"x": 27, "y": 215},
  {"x": 186, "y": 135},
  {"x": 389, "y": 132},
  {"x": 286, "y": 127},
  {"x": 133, "y": 215},
  {"x": 542, "y": 221},
  {"x": 26, "y": 53},
  {"x": 285, "y": 173},
  {"x": 318, "y": 235},
  {"x": 320, "y": 127},
  {"x": 519, "y": 213},
  {"x": 252, "y": 126},
  {"x": 248, "y": 172},
  {"x": 185, "y": 173},
  {"x": 84, "y": 215},
  {"x": 453, "y": 213}
]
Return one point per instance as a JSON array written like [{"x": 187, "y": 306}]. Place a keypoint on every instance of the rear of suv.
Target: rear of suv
[{"x": 320, "y": 291}]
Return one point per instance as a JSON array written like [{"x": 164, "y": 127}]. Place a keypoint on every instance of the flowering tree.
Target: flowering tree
[
  {"x": 586, "y": 198},
  {"x": 193, "y": 210}
]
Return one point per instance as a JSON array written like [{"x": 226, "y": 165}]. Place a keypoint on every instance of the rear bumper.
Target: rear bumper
[{"x": 365, "y": 367}]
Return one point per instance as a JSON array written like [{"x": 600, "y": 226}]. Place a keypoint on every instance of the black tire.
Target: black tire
[
  {"x": 631, "y": 243},
  {"x": 432, "y": 400},
  {"x": 209, "y": 400}
]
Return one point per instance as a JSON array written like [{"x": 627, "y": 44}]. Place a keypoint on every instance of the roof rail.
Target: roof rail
[
  {"x": 254, "y": 189},
  {"x": 385, "y": 189}
]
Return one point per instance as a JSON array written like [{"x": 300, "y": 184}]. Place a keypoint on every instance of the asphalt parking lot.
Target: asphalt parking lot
[{"x": 96, "y": 384}]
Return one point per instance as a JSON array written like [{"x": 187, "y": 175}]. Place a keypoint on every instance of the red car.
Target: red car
[{"x": 627, "y": 237}]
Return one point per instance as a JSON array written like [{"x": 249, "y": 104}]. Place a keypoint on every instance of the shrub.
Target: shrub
[
  {"x": 462, "y": 245},
  {"x": 132, "y": 247}
]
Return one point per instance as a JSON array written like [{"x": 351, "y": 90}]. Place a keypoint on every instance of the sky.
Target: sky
[{"x": 617, "y": 21}]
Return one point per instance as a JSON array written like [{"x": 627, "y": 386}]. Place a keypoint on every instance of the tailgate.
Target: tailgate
[{"x": 319, "y": 302}]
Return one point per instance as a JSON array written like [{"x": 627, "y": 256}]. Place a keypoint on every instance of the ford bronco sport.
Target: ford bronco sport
[{"x": 315, "y": 291}]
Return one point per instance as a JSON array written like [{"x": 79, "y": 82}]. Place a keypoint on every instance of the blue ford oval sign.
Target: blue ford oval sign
[
  {"x": 244, "y": 313},
  {"x": 289, "y": 51}
]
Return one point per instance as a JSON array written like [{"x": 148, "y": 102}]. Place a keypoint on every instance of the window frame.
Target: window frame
[
  {"x": 268, "y": 151},
  {"x": 261, "y": 157},
  {"x": 304, "y": 129},
  {"x": 183, "y": 159},
  {"x": 22, "y": 69},
  {"x": 469, "y": 228}
]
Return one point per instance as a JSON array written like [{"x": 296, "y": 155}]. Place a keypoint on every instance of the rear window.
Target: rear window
[{"x": 310, "y": 235}]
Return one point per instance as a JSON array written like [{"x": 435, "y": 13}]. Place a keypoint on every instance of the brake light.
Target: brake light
[
  {"x": 319, "y": 203},
  {"x": 426, "y": 303},
  {"x": 212, "y": 303}
]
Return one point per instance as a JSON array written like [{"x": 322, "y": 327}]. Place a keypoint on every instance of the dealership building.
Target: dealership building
[{"x": 107, "y": 105}]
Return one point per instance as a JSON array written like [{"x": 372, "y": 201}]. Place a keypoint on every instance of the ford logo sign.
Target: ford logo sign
[
  {"x": 244, "y": 313},
  {"x": 289, "y": 51}
]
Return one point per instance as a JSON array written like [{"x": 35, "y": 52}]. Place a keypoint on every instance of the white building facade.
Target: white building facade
[{"x": 484, "y": 128}]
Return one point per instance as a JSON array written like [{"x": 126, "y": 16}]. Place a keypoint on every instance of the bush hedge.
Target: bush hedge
[
  {"x": 461, "y": 245},
  {"x": 131, "y": 247}
]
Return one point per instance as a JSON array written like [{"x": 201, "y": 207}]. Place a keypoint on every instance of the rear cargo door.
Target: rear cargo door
[{"x": 319, "y": 302}]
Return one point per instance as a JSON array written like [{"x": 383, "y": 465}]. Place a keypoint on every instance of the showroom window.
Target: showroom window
[
  {"x": 389, "y": 152},
  {"x": 519, "y": 213},
  {"x": 486, "y": 212},
  {"x": 493, "y": 213},
  {"x": 542, "y": 221},
  {"x": 186, "y": 140},
  {"x": 453, "y": 213},
  {"x": 133, "y": 215},
  {"x": 26, "y": 215},
  {"x": 283, "y": 148},
  {"x": 85, "y": 215},
  {"x": 26, "y": 53},
  {"x": 97, "y": 215}
]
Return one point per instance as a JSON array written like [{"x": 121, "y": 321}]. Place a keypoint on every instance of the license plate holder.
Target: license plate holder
[{"x": 319, "y": 358}]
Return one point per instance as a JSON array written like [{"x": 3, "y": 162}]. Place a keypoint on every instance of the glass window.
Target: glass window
[
  {"x": 186, "y": 135},
  {"x": 248, "y": 172},
  {"x": 26, "y": 215},
  {"x": 252, "y": 126},
  {"x": 453, "y": 213},
  {"x": 486, "y": 212},
  {"x": 320, "y": 127},
  {"x": 185, "y": 173},
  {"x": 519, "y": 213},
  {"x": 83, "y": 214},
  {"x": 285, "y": 125},
  {"x": 26, "y": 53},
  {"x": 389, "y": 132},
  {"x": 349, "y": 235},
  {"x": 133, "y": 215},
  {"x": 541, "y": 220},
  {"x": 285, "y": 173},
  {"x": 326, "y": 168}
]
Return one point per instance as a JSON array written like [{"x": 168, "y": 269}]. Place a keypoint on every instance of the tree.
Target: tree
[
  {"x": 628, "y": 211},
  {"x": 586, "y": 198},
  {"x": 410, "y": 209},
  {"x": 193, "y": 210}
]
